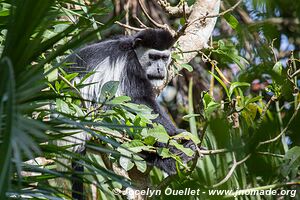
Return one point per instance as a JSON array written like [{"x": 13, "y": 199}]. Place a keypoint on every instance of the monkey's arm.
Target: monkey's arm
[
  {"x": 165, "y": 120},
  {"x": 162, "y": 118},
  {"x": 166, "y": 164}
]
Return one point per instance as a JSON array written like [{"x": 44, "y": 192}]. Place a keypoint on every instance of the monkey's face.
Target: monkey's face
[{"x": 155, "y": 64}]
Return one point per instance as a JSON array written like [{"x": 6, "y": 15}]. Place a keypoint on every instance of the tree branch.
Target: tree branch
[
  {"x": 283, "y": 131},
  {"x": 197, "y": 35},
  {"x": 128, "y": 26},
  {"x": 235, "y": 164},
  {"x": 217, "y": 15},
  {"x": 149, "y": 18},
  {"x": 175, "y": 11}
]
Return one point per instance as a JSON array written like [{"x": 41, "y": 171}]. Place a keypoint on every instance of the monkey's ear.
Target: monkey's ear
[{"x": 137, "y": 42}]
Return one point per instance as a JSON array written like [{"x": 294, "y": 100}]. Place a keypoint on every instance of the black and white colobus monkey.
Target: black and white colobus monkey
[{"x": 140, "y": 63}]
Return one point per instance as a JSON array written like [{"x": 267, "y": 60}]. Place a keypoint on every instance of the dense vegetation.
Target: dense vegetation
[{"x": 241, "y": 94}]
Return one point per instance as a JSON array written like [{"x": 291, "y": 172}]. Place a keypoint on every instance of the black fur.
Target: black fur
[
  {"x": 155, "y": 39},
  {"x": 77, "y": 184},
  {"x": 133, "y": 81}
]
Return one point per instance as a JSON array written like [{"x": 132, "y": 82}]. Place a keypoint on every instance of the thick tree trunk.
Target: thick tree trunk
[{"x": 197, "y": 34}]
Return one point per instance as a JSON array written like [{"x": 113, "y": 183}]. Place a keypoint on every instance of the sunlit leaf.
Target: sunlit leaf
[{"x": 235, "y": 85}]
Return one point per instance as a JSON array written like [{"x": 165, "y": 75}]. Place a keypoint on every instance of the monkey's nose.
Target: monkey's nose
[{"x": 158, "y": 70}]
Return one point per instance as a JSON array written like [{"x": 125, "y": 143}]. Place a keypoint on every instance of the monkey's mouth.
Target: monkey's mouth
[{"x": 155, "y": 77}]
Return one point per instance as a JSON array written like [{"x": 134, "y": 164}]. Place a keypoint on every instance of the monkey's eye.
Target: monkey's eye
[
  {"x": 165, "y": 57},
  {"x": 157, "y": 57},
  {"x": 154, "y": 56}
]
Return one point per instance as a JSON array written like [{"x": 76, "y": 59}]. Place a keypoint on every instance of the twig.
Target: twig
[
  {"x": 235, "y": 164},
  {"x": 109, "y": 133},
  {"x": 292, "y": 75},
  {"x": 283, "y": 138},
  {"x": 126, "y": 8},
  {"x": 184, "y": 5},
  {"x": 217, "y": 15},
  {"x": 211, "y": 152},
  {"x": 295, "y": 73},
  {"x": 271, "y": 46},
  {"x": 212, "y": 81},
  {"x": 283, "y": 131},
  {"x": 93, "y": 110},
  {"x": 226, "y": 11},
  {"x": 149, "y": 18},
  {"x": 74, "y": 88},
  {"x": 181, "y": 31},
  {"x": 278, "y": 20},
  {"x": 129, "y": 27},
  {"x": 174, "y": 10},
  {"x": 264, "y": 111},
  {"x": 140, "y": 22},
  {"x": 270, "y": 154}
]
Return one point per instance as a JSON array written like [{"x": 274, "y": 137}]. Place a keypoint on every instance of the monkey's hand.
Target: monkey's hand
[
  {"x": 186, "y": 144},
  {"x": 169, "y": 164}
]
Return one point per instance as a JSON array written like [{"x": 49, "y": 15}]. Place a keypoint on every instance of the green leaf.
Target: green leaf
[
  {"x": 118, "y": 100},
  {"x": 53, "y": 75},
  {"x": 182, "y": 21},
  {"x": 164, "y": 153},
  {"x": 57, "y": 86},
  {"x": 78, "y": 110},
  {"x": 4, "y": 11},
  {"x": 222, "y": 83},
  {"x": 235, "y": 85},
  {"x": 125, "y": 160},
  {"x": 133, "y": 143},
  {"x": 126, "y": 163},
  {"x": 62, "y": 106},
  {"x": 192, "y": 120},
  {"x": 249, "y": 113},
  {"x": 187, "y": 67},
  {"x": 211, "y": 107},
  {"x": 142, "y": 111},
  {"x": 187, "y": 136},
  {"x": 252, "y": 100},
  {"x": 158, "y": 132},
  {"x": 291, "y": 162},
  {"x": 232, "y": 21},
  {"x": 150, "y": 140},
  {"x": 278, "y": 68},
  {"x": 138, "y": 108},
  {"x": 7, "y": 124},
  {"x": 129, "y": 149},
  {"x": 71, "y": 76},
  {"x": 231, "y": 53},
  {"x": 140, "y": 163},
  {"x": 189, "y": 152},
  {"x": 187, "y": 117},
  {"x": 176, "y": 56},
  {"x": 207, "y": 99},
  {"x": 108, "y": 90},
  {"x": 136, "y": 146}
]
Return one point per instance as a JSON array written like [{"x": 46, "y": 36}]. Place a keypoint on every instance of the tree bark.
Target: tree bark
[{"x": 198, "y": 33}]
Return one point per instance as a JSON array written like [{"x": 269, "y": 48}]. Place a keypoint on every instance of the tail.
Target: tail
[{"x": 77, "y": 181}]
